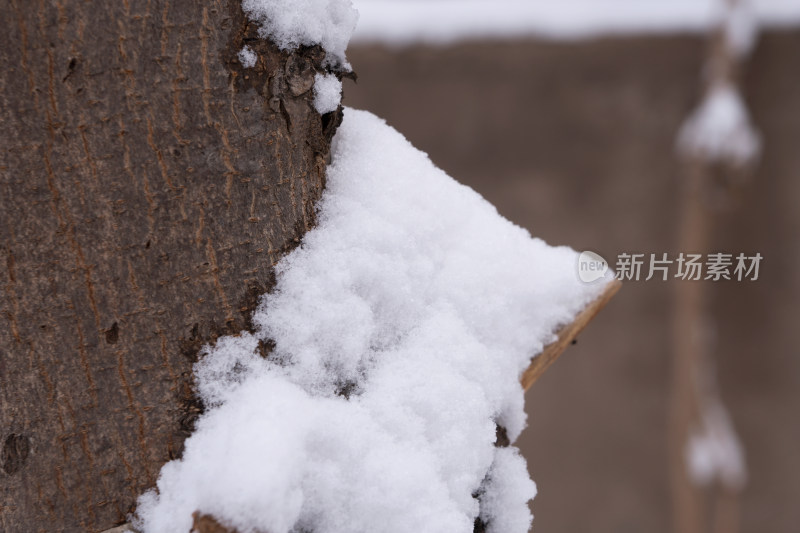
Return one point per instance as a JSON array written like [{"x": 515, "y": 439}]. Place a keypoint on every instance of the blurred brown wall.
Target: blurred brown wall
[{"x": 574, "y": 141}]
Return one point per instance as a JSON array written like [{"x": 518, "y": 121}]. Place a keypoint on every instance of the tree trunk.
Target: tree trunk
[{"x": 149, "y": 183}]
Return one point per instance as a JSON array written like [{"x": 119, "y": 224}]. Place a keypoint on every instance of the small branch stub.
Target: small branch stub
[{"x": 566, "y": 335}]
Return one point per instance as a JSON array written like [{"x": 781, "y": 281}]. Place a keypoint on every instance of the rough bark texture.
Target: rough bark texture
[{"x": 149, "y": 183}]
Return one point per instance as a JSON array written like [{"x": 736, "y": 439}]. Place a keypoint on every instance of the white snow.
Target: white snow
[
  {"x": 720, "y": 129},
  {"x": 401, "y": 22},
  {"x": 424, "y": 305},
  {"x": 741, "y": 29},
  {"x": 713, "y": 452},
  {"x": 506, "y": 493},
  {"x": 292, "y": 23},
  {"x": 327, "y": 93},
  {"x": 247, "y": 57}
]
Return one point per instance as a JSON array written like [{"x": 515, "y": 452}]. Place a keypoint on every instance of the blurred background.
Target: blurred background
[{"x": 565, "y": 117}]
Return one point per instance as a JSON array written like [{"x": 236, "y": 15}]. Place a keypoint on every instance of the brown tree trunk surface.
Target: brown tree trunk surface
[{"x": 148, "y": 184}]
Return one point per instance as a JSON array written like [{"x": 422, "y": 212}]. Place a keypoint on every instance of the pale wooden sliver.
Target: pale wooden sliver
[{"x": 566, "y": 335}]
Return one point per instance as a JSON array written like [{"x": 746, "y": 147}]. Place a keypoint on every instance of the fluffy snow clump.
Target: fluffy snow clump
[
  {"x": 293, "y": 23},
  {"x": 247, "y": 57},
  {"x": 714, "y": 452},
  {"x": 327, "y": 93},
  {"x": 719, "y": 130},
  {"x": 399, "y": 330}
]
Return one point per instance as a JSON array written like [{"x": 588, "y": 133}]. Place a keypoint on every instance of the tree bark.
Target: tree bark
[{"x": 149, "y": 184}]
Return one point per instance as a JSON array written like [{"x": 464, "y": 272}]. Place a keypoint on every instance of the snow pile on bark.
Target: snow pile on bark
[
  {"x": 247, "y": 57},
  {"x": 398, "y": 333},
  {"x": 294, "y": 23},
  {"x": 719, "y": 130},
  {"x": 327, "y": 93}
]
